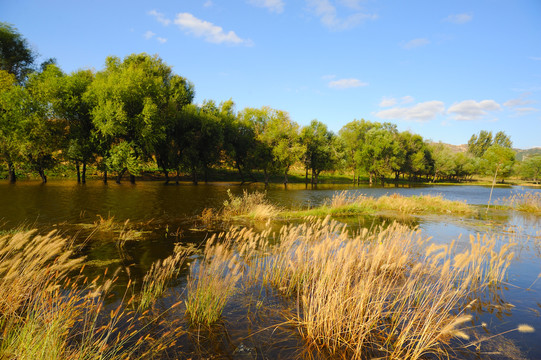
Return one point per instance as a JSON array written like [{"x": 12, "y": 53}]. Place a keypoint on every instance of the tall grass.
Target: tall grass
[
  {"x": 378, "y": 293},
  {"x": 212, "y": 280},
  {"x": 49, "y": 311},
  {"x": 527, "y": 202},
  {"x": 253, "y": 205}
]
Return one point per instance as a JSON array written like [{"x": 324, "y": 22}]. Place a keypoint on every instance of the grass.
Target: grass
[
  {"x": 387, "y": 293},
  {"x": 212, "y": 280},
  {"x": 378, "y": 293},
  {"x": 528, "y": 202},
  {"x": 343, "y": 204},
  {"x": 251, "y": 205}
]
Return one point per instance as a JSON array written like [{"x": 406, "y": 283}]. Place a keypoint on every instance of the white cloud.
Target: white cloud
[
  {"x": 407, "y": 99},
  {"x": 208, "y": 4},
  {"x": 526, "y": 110},
  {"x": 472, "y": 110},
  {"x": 276, "y": 6},
  {"x": 160, "y": 17},
  {"x": 424, "y": 111},
  {"x": 346, "y": 83},
  {"x": 415, "y": 43},
  {"x": 207, "y": 30},
  {"x": 536, "y": 58},
  {"x": 521, "y": 101},
  {"x": 329, "y": 17},
  {"x": 161, "y": 40},
  {"x": 387, "y": 102},
  {"x": 149, "y": 34},
  {"x": 459, "y": 18},
  {"x": 352, "y": 4}
]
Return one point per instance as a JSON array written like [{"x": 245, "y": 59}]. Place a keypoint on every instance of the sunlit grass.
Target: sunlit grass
[
  {"x": 527, "y": 202},
  {"x": 252, "y": 205}
]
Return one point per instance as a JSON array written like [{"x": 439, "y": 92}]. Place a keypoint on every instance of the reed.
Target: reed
[
  {"x": 212, "y": 280},
  {"x": 383, "y": 293},
  {"x": 49, "y": 311},
  {"x": 161, "y": 273},
  {"x": 527, "y": 202},
  {"x": 252, "y": 205}
]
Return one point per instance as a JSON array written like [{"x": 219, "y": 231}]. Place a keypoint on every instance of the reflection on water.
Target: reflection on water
[{"x": 168, "y": 214}]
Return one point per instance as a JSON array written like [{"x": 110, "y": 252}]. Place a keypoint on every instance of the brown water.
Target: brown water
[{"x": 169, "y": 214}]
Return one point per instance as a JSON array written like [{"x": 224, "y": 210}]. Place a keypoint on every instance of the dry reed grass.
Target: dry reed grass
[
  {"x": 48, "y": 311},
  {"x": 252, "y": 205},
  {"x": 527, "y": 202},
  {"x": 377, "y": 293},
  {"x": 212, "y": 280}
]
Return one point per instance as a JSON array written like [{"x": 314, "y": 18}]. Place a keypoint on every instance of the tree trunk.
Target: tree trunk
[
  {"x": 206, "y": 174},
  {"x": 166, "y": 173},
  {"x": 11, "y": 172},
  {"x": 240, "y": 172},
  {"x": 194, "y": 176},
  {"x": 306, "y": 178},
  {"x": 83, "y": 175},
  {"x": 286, "y": 180},
  {"x": 42, "y": 175},
  {"x": 266, "y": 174},
  {"x": 78, "y": 172},
  {"x": 132, "y": 178},
  {"x": 119, "y": 175},
  {"x": 177, "y": 176},
  {"x": 370, "y": 177},
  {"x": 105, "y": 176}
]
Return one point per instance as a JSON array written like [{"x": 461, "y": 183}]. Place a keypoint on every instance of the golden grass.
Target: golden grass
[
  {"x": 48, "y": 311},
  {"x": 212, "y": 280},
  {"x": 344, "y": 204},
  {"x": 252, "y": 205},
  {"x": 527, "y": 202},
  {"x": 377, "y": 293}
]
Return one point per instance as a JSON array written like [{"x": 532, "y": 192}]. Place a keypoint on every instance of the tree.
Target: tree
[
  {"x": 13, "y": 110},
  {"x": 43, "y": 129},
  {"x": 319, "y": 153},
  {"x": 74, "y": 107},
  {"x": 132, "y": 100},
  {"x": 444, "y": 165},
  {"x": 479, "y": 144},
  {"x": 531, "y": 168},
  {"x": 353, "y": 137},
  {"x": 379, "y": 153},
  {"x": 16, "y": 57},
  {"x": 498, "y": 161}
]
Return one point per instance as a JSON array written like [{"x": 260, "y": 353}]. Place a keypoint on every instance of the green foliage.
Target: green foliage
[
  {"x": 319, "y": 152},
  {"x": 16, "y": 57},
  {"x": 531, "y": 168},
  {"x": 498, "y": 161}
]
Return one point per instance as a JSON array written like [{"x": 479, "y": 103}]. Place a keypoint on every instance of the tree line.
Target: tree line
[{"x": 137, "y": 110}]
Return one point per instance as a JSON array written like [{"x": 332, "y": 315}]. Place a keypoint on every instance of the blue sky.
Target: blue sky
[{"x": 442, "y": 69}]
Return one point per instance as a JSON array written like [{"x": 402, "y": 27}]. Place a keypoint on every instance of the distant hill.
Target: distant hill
[{"x": 521, "y": 154}]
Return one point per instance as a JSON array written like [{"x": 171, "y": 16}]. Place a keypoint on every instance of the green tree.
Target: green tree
[
  {"x": 379, "y": 154},
  {"x": 479, "y": 144},
  {"x": 16, "y": 57},
  {"x": 444, "y": 165},
  {"x": 319, "y": 152},
  {"x": 13, "y": 110},
  {"x": 531, "y": 168},
  {"x": 353, "y": 138},
  {"x": 498, "y": 161},
  {"x": 43, "y": 129},
  {"x": 132, "y": 100},
  {"x": 76, "y": 110}
]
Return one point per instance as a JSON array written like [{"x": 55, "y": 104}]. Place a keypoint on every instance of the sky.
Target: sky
[{"x": 443, "y": 69}]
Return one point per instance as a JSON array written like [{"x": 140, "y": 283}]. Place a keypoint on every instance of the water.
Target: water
[{"x": 164, "y": 212}]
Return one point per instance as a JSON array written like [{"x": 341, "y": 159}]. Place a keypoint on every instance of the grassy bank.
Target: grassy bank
[{"x": 255, "y": 206}]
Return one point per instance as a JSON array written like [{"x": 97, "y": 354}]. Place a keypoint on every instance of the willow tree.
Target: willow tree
[{"x": 132, "y": 103}]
